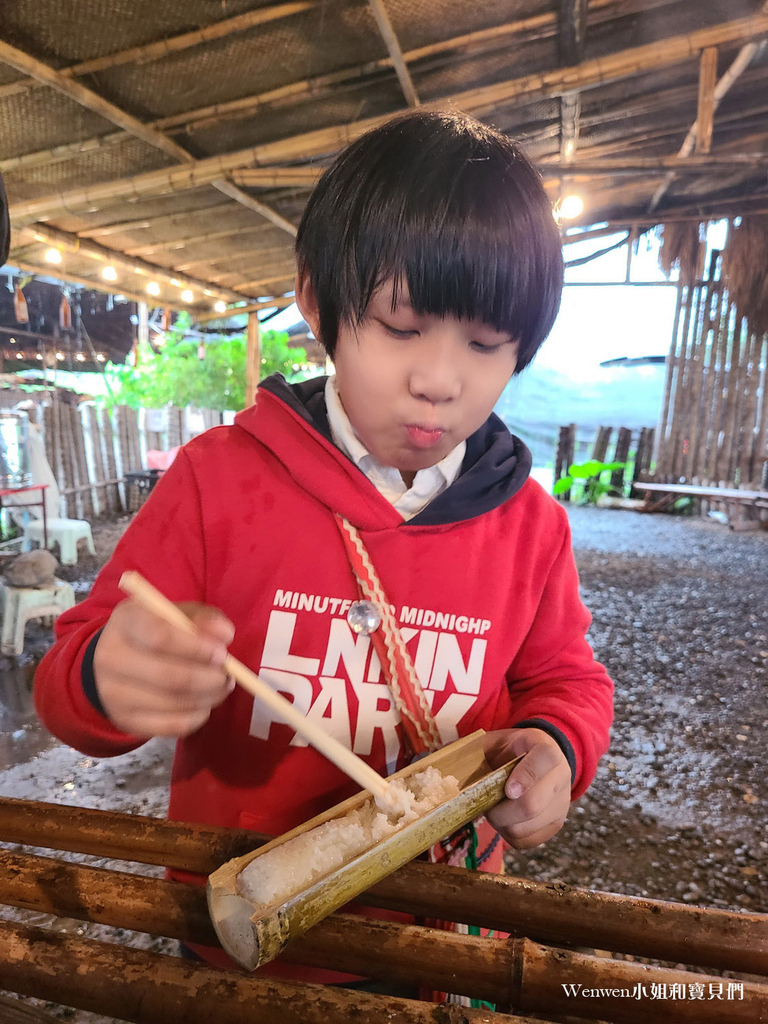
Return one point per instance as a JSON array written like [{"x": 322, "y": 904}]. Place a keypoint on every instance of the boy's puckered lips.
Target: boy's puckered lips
[{"x": 423, "y": 436}]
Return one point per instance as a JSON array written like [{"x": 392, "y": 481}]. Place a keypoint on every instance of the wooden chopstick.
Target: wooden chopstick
[{"x": 134, "y": 584}]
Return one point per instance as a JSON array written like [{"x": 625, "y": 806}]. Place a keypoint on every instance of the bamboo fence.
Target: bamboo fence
[
  {"x": 713, "y": 429},
  {"x": 90, "y": 450}
]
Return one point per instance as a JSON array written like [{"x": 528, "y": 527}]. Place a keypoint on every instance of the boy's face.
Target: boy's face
[{"x": 415, "y": 386}]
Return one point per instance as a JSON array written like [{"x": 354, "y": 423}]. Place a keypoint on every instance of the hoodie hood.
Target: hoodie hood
[{"x": 292, "y": 421}]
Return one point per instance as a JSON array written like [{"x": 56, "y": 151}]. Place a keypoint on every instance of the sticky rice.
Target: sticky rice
[{"x": 273, "y": 878}]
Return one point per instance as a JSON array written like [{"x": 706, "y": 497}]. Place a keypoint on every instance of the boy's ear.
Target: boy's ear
[{"x": 307, "y": 302}]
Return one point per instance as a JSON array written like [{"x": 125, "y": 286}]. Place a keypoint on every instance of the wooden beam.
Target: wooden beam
[
  {"x": 395, "y": 53},
  {"x": 573, "y": 21},
  {"x": 705, "y": 118},
  {"x": 174, "y": 44},
  {"x": 740, "y": 64},
  {"x": 93, "y": 250},
  {"x": 252, "y": 358},
  {"x": 227, "y": 188},
  {"x": 86, "y": 98},
  {"x": 324, "y": 141}
]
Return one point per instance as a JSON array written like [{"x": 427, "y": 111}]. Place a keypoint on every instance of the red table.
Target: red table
[{"x": 10, "y": 491}]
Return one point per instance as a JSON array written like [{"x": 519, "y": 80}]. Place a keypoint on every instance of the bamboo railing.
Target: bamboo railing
[{"x": 531, "y": 972}]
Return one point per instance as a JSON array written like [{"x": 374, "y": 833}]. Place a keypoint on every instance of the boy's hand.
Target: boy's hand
[
  {"x": 155, "y": 680},
  {"x": 538, "y": 789}
]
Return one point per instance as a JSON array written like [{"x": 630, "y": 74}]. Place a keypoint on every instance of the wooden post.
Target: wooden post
[
  {"x": 706, "y": 110},
  {"x": 602, "y": 440},
  {"x": 252, "y": 359},
  {"x": 621, "y": 455},
  {"x": 113, "y": 497},
  {"x": 564, "y": 455}
]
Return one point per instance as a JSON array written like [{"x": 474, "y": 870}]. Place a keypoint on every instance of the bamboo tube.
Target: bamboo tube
[
  {"x": 550, "y": 913},
  {"x": 395, "y": 53},
  {"x": 231, "y": 190},
  {"x": 148, "y": 988},
  {"x": 254, "y": 934},
  {"x": 590, "y": 73},
  {"x": 705, "y": 117},
  {"x": 145, "y": 594}
]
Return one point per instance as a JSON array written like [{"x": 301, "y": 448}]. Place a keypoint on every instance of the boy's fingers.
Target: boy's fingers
[
  {"x": 537, "y": 763},
  {"x": 144, "y": 630},
  {"x": 210, "y": 621}
]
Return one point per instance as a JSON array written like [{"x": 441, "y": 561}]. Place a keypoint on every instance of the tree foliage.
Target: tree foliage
[{"x": 213, "y": 377}]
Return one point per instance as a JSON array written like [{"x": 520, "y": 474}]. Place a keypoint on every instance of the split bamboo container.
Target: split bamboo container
[{"x": 253, "y": 936}]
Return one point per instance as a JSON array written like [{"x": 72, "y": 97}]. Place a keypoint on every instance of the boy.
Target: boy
[{"x": 430, "y": 267}]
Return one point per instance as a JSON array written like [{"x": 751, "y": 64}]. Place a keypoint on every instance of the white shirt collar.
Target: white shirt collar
[{"x": 427, "y": 483}]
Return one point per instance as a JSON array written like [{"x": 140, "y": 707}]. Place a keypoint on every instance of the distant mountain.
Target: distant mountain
[{"x": 539, "y": 401}]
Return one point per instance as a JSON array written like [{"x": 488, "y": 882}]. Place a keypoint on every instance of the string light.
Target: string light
[
  {"x": 109, "y": 273},
  {"x": 220, "y": 306},
  {"x": 53, "y": 256},
  {"x": 153, "y": 288},
  {"x": 187, "y": 295},
  {"x": 99, "y": 357},
  {"x": 19, "y": 355},
  {"x": 570, "y": 207},
  {"x": 60, "y": 356},
  {"x": 175, "y": 283},
  {"x": 13, "y": 341},
  {"x": 39, "y": 356},
  {"x": 80, "y": 357}
]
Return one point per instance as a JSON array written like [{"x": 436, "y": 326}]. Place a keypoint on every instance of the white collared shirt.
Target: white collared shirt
[{"x": 427, "y": 483}]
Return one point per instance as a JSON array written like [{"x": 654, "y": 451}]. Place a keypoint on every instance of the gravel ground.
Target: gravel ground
[{"x": 678, "y": 807}]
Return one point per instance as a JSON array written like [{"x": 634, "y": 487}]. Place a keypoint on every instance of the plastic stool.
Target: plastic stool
[
  {"x": 65, "y": 532},
  {"x": 23, "y": 603}
]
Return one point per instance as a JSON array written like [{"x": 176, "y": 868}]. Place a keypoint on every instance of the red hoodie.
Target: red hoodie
[{"x": 483, "y": 583}]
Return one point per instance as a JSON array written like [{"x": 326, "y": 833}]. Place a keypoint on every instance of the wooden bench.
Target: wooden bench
[{"x": 745, "y": 503}]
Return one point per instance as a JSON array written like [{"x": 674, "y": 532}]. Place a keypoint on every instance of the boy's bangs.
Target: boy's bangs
[{"x": 448, "y": 209}]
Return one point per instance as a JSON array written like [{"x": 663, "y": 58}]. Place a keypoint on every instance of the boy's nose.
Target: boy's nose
[{"x": 435, "y": 379}]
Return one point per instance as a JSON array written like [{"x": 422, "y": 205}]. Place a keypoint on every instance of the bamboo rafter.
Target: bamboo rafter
[
  {"x": 573, "y": 19},
  {"x": 328, "y": 140},
  {"x": 174, "y": 44},
  {"x": 705, "y": 118},
  {"x": 395, "y": 52},
  {"x": 93, "y": 250}
]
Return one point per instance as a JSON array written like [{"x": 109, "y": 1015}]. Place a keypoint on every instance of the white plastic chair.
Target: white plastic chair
[{"x": 20, "y": 604}]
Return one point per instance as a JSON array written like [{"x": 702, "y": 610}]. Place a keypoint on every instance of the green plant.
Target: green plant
[
  {"x": 210, "y": 375},
  {"x": 590, "y": 478}
]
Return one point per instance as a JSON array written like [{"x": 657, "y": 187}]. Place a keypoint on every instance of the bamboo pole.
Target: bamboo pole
[
  {"x": 705, "y": 164},
  {"x": 194, "y": 240},
  {"x": 114, "y": 503},
  {"x": 493, "y": 969},
  {"x": 744, "y": 467},
  {"x": 148, "y": 988},
  {"x": 599, "y": 981},
  {"x": 395, "y": 53},
  {"x": 590, "y": 73},
  {"x": 273, "y": 177},
  {"x": 548, "y": 913},
  {"x": 227, "y": 188}
]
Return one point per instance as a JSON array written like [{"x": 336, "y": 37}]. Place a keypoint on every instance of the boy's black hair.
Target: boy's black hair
[
  {"x": 446, "y": 206},
  {"x": 5, "y": 225}
]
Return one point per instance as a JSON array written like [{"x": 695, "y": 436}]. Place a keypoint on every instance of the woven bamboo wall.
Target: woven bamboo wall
[{"x": 714, "y": 422}]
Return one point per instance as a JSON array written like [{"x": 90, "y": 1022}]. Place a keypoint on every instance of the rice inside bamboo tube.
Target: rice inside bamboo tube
[{"x": 262, "y": 900}]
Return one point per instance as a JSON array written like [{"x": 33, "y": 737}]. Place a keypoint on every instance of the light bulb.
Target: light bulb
[
  {"x": 153, "y": 288},
  {"x": 187, "y": 295},
  {"x": 220, "y": 306},
  {"x": 571, "y": 206},
  {"x": 109, "y": 273},
  {"x": 53, "y": 256}
]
